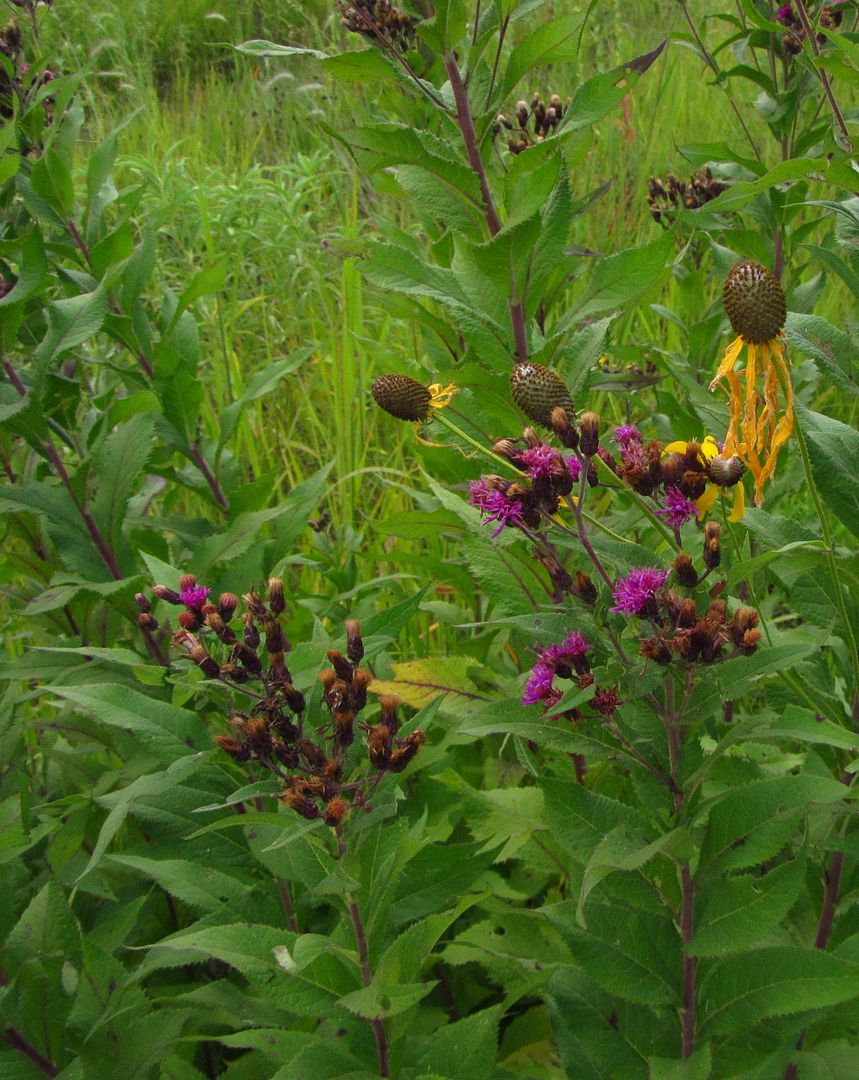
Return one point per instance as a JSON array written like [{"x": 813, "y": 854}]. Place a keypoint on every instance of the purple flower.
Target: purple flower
[
  {"x": 574, "y": 644},
  {"x": 494, "y": 504},
  {"x": 678, "y": 509},
  {"x": 784, "y": 14},
  {"x": 193, "y": 596},
  {"x": 606, "y": 701},
  {"x": 542, "y": 460},
  {"x": 574, "y": 468},
  {"x": 626, "y": 433},
  {"x": 539, "y": 686},
  {"x": 639, "y": 587}
]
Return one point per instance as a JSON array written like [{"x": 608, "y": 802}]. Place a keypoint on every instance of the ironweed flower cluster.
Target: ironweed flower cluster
[
  {"x": 792, "y": 40},
  {"x": 567, "y": 660},
  {"x": 381, "y": 22},
  {"x": 672, "y": 193},
  {"x": 310, "y": 755},
  {"x": 534, "y": 122}
]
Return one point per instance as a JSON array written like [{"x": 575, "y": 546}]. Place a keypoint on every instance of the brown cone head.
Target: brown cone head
[
  {"x": 754, "y": 302},
  {"x": 401, "y": 396},
  {"x": 537, "y": 390},
  {"x": 725, "y": 471}
]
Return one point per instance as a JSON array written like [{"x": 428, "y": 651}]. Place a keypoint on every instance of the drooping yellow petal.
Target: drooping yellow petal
[
  {"x": 705, "y": 503},
  {"x": 735, "y": 406},
  {"x": 678, "y": 447},
  {"x": 751, "y": 375},
  {"x": 739, "y": 509},
  {"x": 728, "y": 361}
]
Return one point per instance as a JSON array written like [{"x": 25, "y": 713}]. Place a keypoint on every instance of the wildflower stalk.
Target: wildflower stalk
[
  {"x": 360, "y": 933},
  {"x": 660, "y": 525},
  {"x": 674, "y": 730},
  {"x": 577, "y": 505},
  {"x": 493, "y": 223},
  {"x": 811, "y": 37}
]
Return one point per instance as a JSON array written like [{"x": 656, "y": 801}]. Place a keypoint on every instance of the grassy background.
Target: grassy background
[{"x": 236, "y": 165}]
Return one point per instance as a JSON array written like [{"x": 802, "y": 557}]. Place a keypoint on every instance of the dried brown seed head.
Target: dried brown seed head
[
  {"x": 537, "y": 390},
  {"x": 754, "y": 302}
]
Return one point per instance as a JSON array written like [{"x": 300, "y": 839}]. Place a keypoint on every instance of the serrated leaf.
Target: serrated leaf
[
  {"x": 625, "y": 277},
  {"x": 464, "y": 1050},
  {"x": 621, "y": 849},
  {"x": 374, "y": 1002},
  {"x": 744, "y": 909},
  {"x": 245, "y": 946},
  {"x": 418, "y": 682},
  {"x": 70, "y": 323},
  {"x": 834, "y": 449},
  {"x": 834, "y": 350},
  {"x": 580, "y": 818},
  {"x": 754, "y": 823},
  {"x": 117, "y": 467},
  {"x": 697, "y": 1067},
  {"x": 32, "y": 271},
  {"x": 776, "y": 981},
  {"x": 199, "y": 886}
]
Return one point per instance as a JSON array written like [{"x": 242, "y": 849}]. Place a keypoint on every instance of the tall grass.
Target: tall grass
[{"x": 237, "y": 166}]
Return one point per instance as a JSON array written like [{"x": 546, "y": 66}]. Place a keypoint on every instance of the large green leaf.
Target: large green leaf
[
  {"x": 775, "y": 981},
  {"x": 625, "y": 277},
  {"x": 834, "y": 450}
]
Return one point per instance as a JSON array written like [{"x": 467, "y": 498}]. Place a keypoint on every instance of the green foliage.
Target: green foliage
[{"x": 646, "y": 869}]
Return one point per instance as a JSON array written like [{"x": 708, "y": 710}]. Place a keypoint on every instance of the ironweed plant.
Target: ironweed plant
[{"x": 611, "y": 835}]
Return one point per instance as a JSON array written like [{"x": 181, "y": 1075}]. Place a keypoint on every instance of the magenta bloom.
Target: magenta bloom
[
  {"x": 542, "y": 460},
  {"x": 637, "y": 589},
  {"x": 539, "y": 686},
  {"x": 575, "y": 644},
  {"x": 678, "y": 509},
  {"x": 494, "y": 504},
  {"x": 194, "y": 596},
  {"x": 574, "y": 468},
  {"x": 568, "y": 654},
  {"x": 606, "y": 701},
  {"x": 626, "y": 433},
  {"x": 784, "y": 14}
]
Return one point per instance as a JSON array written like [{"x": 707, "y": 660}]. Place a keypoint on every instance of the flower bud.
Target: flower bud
[
  {"x": 340, "y": 664},
  {"x": 236, "y": 750},
  {"x": 584, "y": 588},
  {"x": 143, "y": 605},
  {"x": 276, "y": 599},
  {"x": 300, "y": 804},
  {"x": 227, "y": 605},
  {"x": 590, "y": 433},
  {"x": 712, "y": 544},
  {"x": 354, "y": 643},
  {"x": 336, "y": 810},
  {"x": 685, "y": 571},
  {"x": 564, "y": 428},
  {"x": 169, "y": 595},
  {"x": 147, "y": 622}
]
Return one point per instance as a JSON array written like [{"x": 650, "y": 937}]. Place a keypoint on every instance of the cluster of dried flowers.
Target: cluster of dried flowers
[
  {"x": 14, "y": 83},
  {"x": 792, "y": 40},
  {"x": 381, "y": 22},
  {"x": 312, "y": 759},
  {"x": 534, "y": 122},
  {"x": 672, "y": 193}
]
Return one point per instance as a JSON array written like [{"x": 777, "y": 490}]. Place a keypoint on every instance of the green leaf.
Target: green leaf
[
  {"x": 835, "y": 351},
  {"x": 418, "y": 682},
  {"x": 697, "y": 1067},
  {"x": 200, "y": 886},
  {"x": 776, "y": 981},
  {"x": 623, "y": 278},
  {"x": 51, "y": 180},
  {"x": 371, "y": 1002},
  {"x": 165, "y": 730},
  {"x": 117, "y": 466},
  {"x": 71, "y": 322},
  {"x": 258, "y": 47},
  {"x": 464, "y": 1050},
  {"x": 580, "y": 818},
  {"x": 743, "y": 192},
  {"x": 205, "y": 281},
  {"x": 555, "y": 40},
  {"x": 32, "y": 271},
  {"x": 755, "y": 822},
  {"x": 732, "y": 678},
  {"x": 245, "y": 946},
  {"x": 621, "y": 849},
  {"x": 834, "y": 449},
  {"x": 742, "y": 910}
]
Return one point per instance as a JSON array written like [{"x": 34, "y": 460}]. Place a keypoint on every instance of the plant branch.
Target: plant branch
[
  {"x": 465, "y": 121},
  {"x": 811, "y": 37},
  {"x": 17, "y": 1041}
]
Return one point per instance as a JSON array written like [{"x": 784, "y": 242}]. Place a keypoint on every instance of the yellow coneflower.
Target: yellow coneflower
[
  {"x": 407, "y": 399},
  {"x": 722, "y": 472},
  {"x": 756, "y": 308}
]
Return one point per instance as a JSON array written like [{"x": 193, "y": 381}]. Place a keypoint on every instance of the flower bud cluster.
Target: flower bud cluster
[
  {"x": 244, "y": 645},
  {"x": 381, "y": 22},
  {"x": 792, "y": 40},
  {"x": 568, "y": 660},
  {"x": 669, "y": 194},
  {"x": 533, "y": 123},
  {"x": 677, "y": 628}
]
